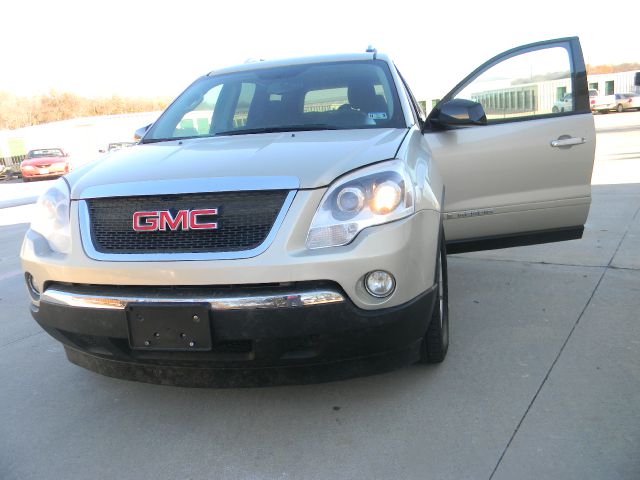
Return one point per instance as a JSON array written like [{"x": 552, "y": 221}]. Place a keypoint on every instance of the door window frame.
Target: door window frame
[{"x": 579, "y": 85}]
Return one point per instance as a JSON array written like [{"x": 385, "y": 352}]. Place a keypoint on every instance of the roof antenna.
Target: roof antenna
[{"x": 370, "y": 49}]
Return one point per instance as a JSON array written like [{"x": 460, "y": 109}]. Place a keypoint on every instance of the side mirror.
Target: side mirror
[
  {"x": 140, "y": 132},
  {"x": 458, "y": 113}
]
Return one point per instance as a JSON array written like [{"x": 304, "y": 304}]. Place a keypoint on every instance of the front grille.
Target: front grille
[{"x": 244, "y": 221}]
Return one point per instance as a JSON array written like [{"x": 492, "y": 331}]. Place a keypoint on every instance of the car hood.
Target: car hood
[
  {"x": 315, "y": 158},
  {"x": 35, "y": 162}
]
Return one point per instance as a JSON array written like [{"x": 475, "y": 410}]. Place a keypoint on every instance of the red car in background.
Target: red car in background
[{"x": 45, "y": 163}]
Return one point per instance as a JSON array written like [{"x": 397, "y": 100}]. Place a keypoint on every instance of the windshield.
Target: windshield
[
  {"x": 321, "y": 96},
  {"x": 48, "y": 152}
]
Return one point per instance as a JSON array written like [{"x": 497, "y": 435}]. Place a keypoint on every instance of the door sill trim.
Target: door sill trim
[{"x": 515, "y": 240}]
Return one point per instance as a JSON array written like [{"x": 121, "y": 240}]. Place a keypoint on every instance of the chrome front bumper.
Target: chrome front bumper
[{"x": 82, "y": 298}]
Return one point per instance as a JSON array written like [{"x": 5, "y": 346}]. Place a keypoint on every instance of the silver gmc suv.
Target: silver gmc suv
[{"x": 289, "y": 221}]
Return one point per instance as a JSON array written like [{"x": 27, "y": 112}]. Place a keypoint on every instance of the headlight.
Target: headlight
[
  {"x": 370, "y": 196},
  {"x": 51, "y": 219}
]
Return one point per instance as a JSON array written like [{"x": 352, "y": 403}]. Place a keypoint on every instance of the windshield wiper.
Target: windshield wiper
[
  {"x": 243, "y": 131},
  {"x": 282, "y": 128},
  {"x": 171, "y": 139}
]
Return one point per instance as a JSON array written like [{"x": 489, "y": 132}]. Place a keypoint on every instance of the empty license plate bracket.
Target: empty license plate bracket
[{"x": 169, "y": 326}]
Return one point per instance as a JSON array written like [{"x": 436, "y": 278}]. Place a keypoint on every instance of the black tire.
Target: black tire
[
  {"x": 554, "y": 110},
  {"x": 26, "y": 180},
  {"x": 619, "y": 108},
  {"x": 435, "y": 343}
]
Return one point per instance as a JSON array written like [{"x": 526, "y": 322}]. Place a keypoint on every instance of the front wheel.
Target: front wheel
[
  {"x": 619, "y": 108},
  {"x": 436, "y": 341}
]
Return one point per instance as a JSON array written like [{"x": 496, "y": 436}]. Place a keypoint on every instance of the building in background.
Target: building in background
[
  {"x": 540, "y": 97},
  {"x": 610, "y": 83}
]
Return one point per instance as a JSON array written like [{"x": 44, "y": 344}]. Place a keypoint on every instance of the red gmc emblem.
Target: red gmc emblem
[{"x": 183, "y": 220}]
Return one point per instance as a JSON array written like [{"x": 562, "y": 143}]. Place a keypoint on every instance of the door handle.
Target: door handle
[{"x": 565, "y": 141}]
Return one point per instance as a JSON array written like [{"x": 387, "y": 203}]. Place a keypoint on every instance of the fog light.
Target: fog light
[{"x": 380, "y": 283}]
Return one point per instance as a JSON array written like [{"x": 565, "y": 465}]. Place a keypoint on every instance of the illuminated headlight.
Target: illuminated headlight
[
  {"x": 370, "y": 196},
  {"x": 51, "y": 217},
  {"x": 386, "y": 197}
]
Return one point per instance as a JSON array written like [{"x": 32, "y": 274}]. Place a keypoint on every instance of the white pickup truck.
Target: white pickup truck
[{"x": 289, "y": 221}]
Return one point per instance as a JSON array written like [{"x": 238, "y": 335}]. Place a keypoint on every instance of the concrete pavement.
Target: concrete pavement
[{"x": 584, "y": 420}]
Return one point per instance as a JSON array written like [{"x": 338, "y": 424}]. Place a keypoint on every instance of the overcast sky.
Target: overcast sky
[{"x": 156, "y": 48}]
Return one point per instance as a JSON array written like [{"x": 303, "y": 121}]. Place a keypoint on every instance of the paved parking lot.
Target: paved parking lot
[{"x": 542, "y": 379}]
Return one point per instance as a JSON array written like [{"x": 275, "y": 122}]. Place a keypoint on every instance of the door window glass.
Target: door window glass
[
  {"x": 325, "y": 100},
  {"x": 526, "y": 85}
]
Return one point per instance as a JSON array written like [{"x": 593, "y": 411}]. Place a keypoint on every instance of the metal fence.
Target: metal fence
[{"x": 9, "y": 161}]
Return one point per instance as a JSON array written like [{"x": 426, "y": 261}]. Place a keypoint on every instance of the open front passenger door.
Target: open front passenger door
[{"x": 523, "y": 175}]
